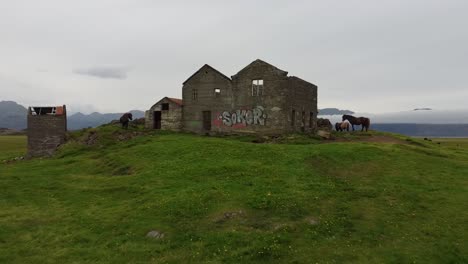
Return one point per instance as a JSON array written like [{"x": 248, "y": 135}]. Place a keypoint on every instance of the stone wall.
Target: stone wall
[
  {"x": 170, "y": 119},
  {"x": 236, "y": 110},
  {"x": 303, "y": 101},
  {"x": 45, "y": 133},
  {"x": 205, "y": 81}
]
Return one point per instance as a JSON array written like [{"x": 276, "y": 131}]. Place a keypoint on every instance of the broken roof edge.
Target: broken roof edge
[
  {"x": 50, "y": 110},
  {"x": 206, "y": 65},
  {"x": 46, "y": 106},
  {"x": 302, "y": 80},
  {"x": 284, "y": 73},
  {"x": 177, "y": 101}
]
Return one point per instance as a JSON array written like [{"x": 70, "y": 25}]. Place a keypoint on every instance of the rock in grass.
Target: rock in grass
[
  {"x": 155, "y": 234},
  {"x": 323, "y": 134},
  {"x": 229, "y": 215},
  {"x": 312, "y": 221}
]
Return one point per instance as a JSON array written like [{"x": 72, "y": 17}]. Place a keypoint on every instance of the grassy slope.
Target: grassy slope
[
  {"x": 12, "y": 146},
  {"x": 373, "y": 202}
]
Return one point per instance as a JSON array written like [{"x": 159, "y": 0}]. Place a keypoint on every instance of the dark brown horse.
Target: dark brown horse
[
  {"x": 360, "y": 121},
  {"x": 125, "y": 118},
  {"x": 338, "y": 127}
]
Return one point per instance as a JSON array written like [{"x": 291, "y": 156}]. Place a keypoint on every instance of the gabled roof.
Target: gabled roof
[
  {"x": 301, "y": 80},
  {"x": 207, "y": 66},
  {"x": 258, "y": 61},
  {"x": 176, "y": 100}
]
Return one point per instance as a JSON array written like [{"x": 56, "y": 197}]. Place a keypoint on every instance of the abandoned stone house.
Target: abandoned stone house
[
  {"x": 165, "y": 114},
  {"x": 47, "y": 127},
  {"x": 260, "y": 98}
]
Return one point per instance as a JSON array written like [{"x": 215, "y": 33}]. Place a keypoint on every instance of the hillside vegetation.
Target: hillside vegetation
[{"x": 293, "y": 200}]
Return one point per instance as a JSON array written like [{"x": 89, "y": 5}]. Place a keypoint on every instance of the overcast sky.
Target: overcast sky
[{"x": 117, "y": 55}]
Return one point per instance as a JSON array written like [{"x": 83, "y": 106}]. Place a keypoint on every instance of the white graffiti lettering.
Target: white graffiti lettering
[{"x": 243, "y": 117}]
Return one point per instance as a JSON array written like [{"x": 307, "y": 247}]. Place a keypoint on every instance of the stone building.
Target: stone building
[
  {"x": 260, "y": 99},
  {"x": 47, "y": 127},
  {"x": 165, "y": 114}
]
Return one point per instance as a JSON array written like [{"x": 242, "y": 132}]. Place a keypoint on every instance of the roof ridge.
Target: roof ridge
[
  {"x": 261, "y": 61},
  {"x": 206, "y": 65}
]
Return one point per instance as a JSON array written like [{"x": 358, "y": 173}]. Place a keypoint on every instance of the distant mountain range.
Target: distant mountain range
[
  {"x": 420, "y": 122},
  {"x": 79, "y": 120},
  {"x": 423, "y": 116},
  {"x": 13, "y": 115},
  {"x": 423, "y": 122},
  {"x": 334, "y": 111}
]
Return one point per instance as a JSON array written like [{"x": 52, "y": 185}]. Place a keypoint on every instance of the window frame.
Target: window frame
[
  {"x": 311, "y": 119},
  {"x": 195, "y": 94},
  {"x": 257, "y": 87},
  {"x": 293, "y": 118},
  {"x": 217, "y": 92}
]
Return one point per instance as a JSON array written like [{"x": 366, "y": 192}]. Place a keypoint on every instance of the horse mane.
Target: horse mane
[{"x": 350, "y": 118}]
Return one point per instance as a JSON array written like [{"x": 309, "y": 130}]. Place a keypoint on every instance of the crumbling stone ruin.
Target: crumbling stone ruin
[
  {"x": 165, "y": 114},
  {"x": 259, "y": 99},
  {"x": 47, "y": 127}
]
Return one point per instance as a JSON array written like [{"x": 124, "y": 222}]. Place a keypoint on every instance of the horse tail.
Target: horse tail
[{"x": 367, "y": 123}]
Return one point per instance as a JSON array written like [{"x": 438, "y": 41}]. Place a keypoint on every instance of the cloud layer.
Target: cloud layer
[
  {"x": 105, "y": 72},
  {"x": 364, "y": 55}
]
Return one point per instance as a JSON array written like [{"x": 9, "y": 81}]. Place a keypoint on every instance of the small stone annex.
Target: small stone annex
[
  {"x": 260, "y": 99},
  {"x": 47, "y": 127},
  {"x": 165, "y": 114}
]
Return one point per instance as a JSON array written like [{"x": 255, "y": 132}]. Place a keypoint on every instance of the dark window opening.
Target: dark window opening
[
  {"x": 165, "y": 106},
  {"x": 293, "y": 118},
  {"x": 56, "y": 110},
  {"x": 195, "y": 94},
  {"x": 303, "y": 121},
  {"x": 311, "y": 119},
  {"x": 217, "y": 92},
  {"x": 257, "y": 87}
]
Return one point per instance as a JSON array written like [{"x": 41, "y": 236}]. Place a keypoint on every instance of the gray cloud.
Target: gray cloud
[
  {"x": 364, "y": 55},
  {"x": 105, "y": 72}
]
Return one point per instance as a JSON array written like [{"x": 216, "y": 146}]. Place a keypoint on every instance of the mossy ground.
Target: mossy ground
[{"x": 301, "y": 201}]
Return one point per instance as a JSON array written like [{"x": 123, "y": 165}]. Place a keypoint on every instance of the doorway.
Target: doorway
[
  {"x": 157, "y": 120},
  {"x": 207, "y": 120}
]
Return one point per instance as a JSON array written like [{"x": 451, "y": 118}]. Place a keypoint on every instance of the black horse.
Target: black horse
[
  {"x": 125, "y": 118},
  {"x": 360, "y": 121}
]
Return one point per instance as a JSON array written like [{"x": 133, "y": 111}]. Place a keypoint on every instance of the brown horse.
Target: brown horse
[
  {"x": 360, "y": 121},
  {"x": 125, "y": 118},
  {"x": 342, "y": 126}
]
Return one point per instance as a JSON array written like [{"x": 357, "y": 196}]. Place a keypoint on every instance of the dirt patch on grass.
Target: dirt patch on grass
[
  {"x": 369, "y": 139},
  {"x": 229, "y": 215}
]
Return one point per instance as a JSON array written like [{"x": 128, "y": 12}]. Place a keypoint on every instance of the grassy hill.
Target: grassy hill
[{"x": 360, "y": 198}]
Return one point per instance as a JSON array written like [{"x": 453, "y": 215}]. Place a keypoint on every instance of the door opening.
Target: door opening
[
  {"x": 157, "y": 120},
  {"x": 207, "y": 120}
]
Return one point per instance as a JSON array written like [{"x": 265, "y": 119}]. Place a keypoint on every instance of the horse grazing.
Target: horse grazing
[
  {"x": 342, "y": 126},
  {"x": 360, "y": 121},
  {"x": 338, "y": 126},
  {"x": 125, "y": 118}
]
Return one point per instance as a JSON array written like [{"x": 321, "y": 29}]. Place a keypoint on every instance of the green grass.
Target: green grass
[
  {"x": 454, "y": 143},
  {"x": 374, "y": 203},
  {"x": 12, "y": 146}
]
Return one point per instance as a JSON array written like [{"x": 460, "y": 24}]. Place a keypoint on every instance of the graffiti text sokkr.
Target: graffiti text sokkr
[{"x": 242, "y": 118}]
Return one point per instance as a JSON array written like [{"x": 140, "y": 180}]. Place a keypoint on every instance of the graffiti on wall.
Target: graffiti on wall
[{"x": 241, "y": 117}]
